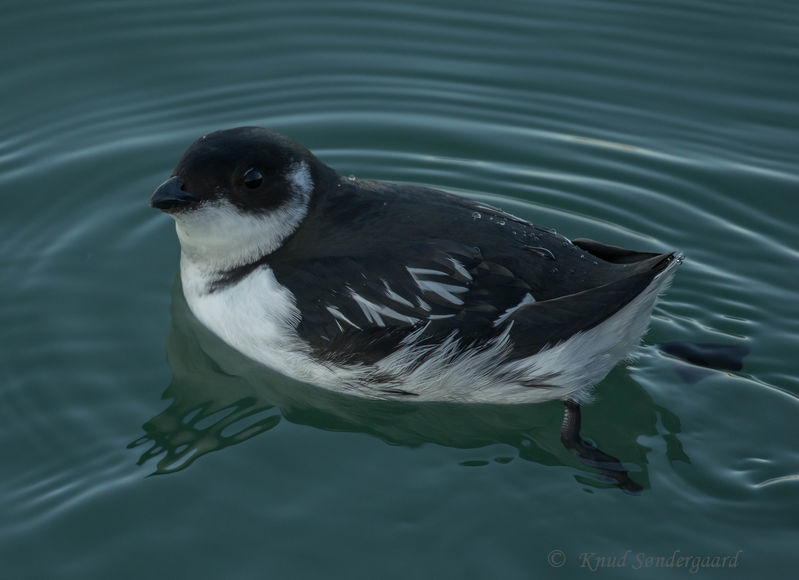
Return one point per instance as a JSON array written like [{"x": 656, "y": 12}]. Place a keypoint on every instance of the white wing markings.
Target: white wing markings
[
  {"x": 460, "y": 269},
  {"x": 444, "y": 291},
  {"x": 378, "y": 313},
  {"x": 375, "y": 313},
  {"x": 527, "y": 299},
  {"x": 338, "y": 314},
  {"x": 394, "y": 296}
]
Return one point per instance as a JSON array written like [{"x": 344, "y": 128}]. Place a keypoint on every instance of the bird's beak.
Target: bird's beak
[{"x": 170, "y": 196}]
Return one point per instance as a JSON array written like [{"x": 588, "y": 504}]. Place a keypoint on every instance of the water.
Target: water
[{"x": 135, "y": 444}]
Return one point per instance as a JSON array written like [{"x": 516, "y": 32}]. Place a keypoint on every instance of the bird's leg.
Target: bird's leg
[{"x": 592, "y": 456}]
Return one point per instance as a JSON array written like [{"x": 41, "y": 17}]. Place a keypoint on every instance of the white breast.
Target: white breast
[{"x": 256, "y": 316}]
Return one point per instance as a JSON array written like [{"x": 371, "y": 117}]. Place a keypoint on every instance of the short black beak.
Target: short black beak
[{"x": 170, "y": 195}]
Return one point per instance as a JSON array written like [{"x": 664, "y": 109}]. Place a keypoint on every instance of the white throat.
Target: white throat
[{"x": 217, "y": 236}]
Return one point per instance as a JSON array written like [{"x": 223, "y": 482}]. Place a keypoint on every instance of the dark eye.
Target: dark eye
[{"x": 253, "y": 178}]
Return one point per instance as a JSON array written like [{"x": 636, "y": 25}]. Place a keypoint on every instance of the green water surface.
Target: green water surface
[{"x": 134, "y": 444}]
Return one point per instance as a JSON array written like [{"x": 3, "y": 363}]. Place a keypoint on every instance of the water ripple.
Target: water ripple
[{"x": 656, "y": 125}]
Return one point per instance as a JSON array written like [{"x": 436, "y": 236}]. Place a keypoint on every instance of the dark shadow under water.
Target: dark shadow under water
[{"x": 220, "y": 398}]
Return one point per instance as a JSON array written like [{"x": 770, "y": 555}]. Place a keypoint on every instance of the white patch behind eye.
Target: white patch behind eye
[{"x": 300, "y": 180}]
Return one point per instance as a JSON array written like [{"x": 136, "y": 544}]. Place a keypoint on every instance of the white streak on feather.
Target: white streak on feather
[
  {"x": 338, "y": 314},
  {"x": 376, "y": 312},
  {"x": 444, "y": 291},
  {"x": 394, "y": 296},
  {"x": 459, "y": 268},
  {"x": 527, "y": 299},
  {"x": 416, "y": 272}
]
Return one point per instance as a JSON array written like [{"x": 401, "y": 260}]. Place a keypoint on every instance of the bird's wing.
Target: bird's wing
[
  {"x": 358, "y": 309},
  {"x": 546, "y": 323}
]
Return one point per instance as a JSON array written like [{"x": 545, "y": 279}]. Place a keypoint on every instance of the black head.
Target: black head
[{"x": 252, "y": 168}]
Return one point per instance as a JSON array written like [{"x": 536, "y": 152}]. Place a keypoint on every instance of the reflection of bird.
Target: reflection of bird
[{"x": 395, "y": 291}]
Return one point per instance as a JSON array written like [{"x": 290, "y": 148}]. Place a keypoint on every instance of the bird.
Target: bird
[{"x": 396, "y": 291}]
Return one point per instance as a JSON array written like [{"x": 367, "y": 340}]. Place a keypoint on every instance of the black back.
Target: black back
[{"x": 374, "y": 262}]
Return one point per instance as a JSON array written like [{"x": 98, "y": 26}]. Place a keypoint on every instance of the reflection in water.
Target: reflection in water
[
  {"x": 221, "y": 398},
  {"x": 701, "y": 357}
]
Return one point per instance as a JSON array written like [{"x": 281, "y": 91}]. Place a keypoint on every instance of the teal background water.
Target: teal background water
[{"x": 134, "y": 444}]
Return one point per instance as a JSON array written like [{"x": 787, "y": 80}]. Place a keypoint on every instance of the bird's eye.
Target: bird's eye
[{"x": 253, "y": 178}]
